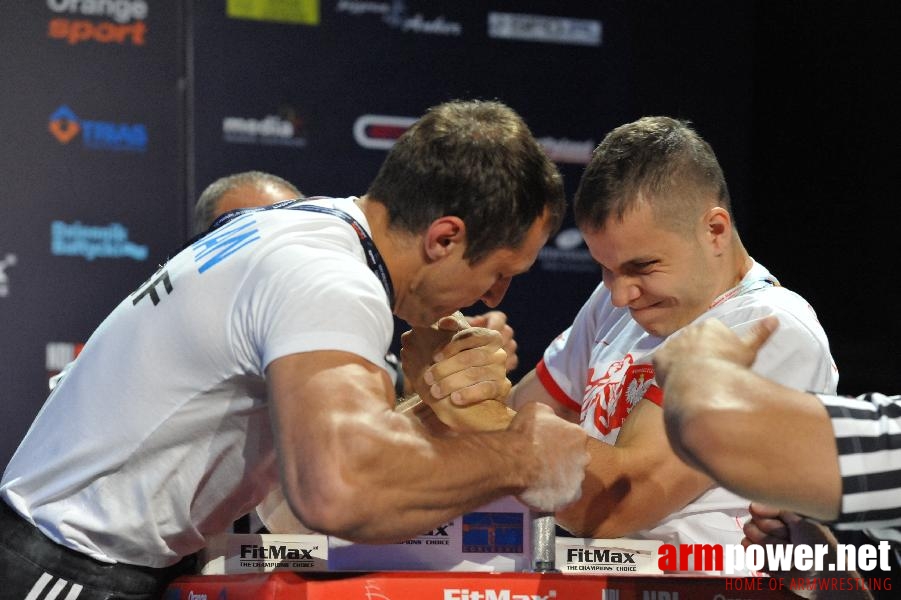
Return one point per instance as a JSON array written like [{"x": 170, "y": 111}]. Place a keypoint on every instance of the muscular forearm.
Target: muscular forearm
[
  {"x": 625, "y": 491},
  {"x": 353, "y": 467},
  {"x": 628, "y": 486},
  {"x": 393, "y": 481}
]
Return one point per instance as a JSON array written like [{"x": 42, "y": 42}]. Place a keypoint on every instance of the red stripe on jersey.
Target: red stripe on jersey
[
  {"x": 547, "y": 380},
  {"x": 655, "y": 395}
]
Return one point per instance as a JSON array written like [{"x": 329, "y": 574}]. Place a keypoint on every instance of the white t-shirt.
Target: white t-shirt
[
  {"x": 601, "y": 367},
  {"x": 159, "y": 435}
]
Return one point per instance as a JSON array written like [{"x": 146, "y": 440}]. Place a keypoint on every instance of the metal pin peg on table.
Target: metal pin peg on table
[{"x": 544, "y": 542}]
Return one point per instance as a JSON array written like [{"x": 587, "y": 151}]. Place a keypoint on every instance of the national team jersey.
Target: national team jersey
[
  {"x": 159, "y": 435},
  {"x": 601, "y": 368}
]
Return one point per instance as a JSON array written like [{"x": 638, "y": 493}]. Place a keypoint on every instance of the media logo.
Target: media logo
[
  {"x": 540, "y": 28},
  {"x": 65, "y": 125},
  {"x": 9, "y": 260},
  {"x": 394, "y": 14},
  {"x": 94, "y": 241},
  {"x": 379, "y": 132},
  {"x": 283, "y": 129},
  {"x": 121, "y": 21}
]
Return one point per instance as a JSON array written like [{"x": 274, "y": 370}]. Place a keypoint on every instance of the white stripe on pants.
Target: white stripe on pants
[{"x": 42, "y": 582}]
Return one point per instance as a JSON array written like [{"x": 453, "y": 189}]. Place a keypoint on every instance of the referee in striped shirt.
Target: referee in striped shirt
[{"x": 831, "y": 458}]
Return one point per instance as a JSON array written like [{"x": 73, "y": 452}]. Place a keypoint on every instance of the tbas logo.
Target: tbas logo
[
  {"x": 65, "y": 126},
  {"x": 493, "y": 594},
  {"x": 120, "y": 21}
]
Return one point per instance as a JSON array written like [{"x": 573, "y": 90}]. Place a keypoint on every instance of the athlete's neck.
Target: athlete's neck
[{"x": 395, "y": 248}]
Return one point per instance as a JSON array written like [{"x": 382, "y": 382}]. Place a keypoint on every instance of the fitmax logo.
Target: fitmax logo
[
  {"x": 492, "y": 594},
  {"x": 275, "y": 552},
  {"x": 599, "y": 556},
  {"x": 441, "y": 530},
  {"x": 65, "y": 125}
]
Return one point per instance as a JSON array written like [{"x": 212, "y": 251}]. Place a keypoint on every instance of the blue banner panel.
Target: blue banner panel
[{"x": 93, "y": 162}]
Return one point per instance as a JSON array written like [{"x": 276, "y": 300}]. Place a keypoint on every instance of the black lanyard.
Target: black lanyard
[{"x": 373, "y": 258}]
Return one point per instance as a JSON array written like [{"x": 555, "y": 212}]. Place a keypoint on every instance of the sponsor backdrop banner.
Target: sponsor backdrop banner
[
  {"x": 115, "y": 115},
  {"x": 91, "y": 163},
  {"x": 320, "y": 99}
]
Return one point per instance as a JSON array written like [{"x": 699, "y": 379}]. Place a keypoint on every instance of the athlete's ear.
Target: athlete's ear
[
  {"x": 443, "y": 237},
  {"x": 718, "y": 228}
]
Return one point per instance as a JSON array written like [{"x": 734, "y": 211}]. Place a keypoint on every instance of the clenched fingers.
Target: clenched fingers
[{"x": 470, "y": 368}]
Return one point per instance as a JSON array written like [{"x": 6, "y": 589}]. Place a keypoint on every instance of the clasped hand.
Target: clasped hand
[{"x": 455, "y": 361}]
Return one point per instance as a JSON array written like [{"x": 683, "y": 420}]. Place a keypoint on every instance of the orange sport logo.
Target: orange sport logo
[
  {"x": 75, "y": 31},
  {"x": 123, "y": 22}
]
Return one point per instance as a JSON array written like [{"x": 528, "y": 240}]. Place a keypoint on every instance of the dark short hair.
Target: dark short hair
[
  {"x": 660, "y": 160},
  {"x": 209, "y": 199},
  {"x": 476, "y": 160}
]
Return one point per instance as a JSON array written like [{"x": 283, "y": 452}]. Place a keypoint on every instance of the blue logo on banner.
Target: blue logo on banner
[
  {"x": 495, "y": 532},
  {"x": 97, "y": 135},
  {"x": 90, "y": 242}
]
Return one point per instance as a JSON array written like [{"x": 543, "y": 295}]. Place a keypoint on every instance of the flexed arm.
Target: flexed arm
[{"x": 353, "y": 467}]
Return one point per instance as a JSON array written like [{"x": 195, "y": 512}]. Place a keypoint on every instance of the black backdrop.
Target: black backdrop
[{"x": 110, "y": 125}]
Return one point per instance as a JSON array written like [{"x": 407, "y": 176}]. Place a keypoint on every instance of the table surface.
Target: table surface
[{"x": 428, "y": 585}]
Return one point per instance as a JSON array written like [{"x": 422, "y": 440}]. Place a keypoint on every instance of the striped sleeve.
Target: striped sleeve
[{"x": 868, "y": 437}]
